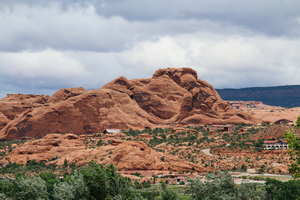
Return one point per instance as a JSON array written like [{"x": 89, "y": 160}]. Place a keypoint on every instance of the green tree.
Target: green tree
[
  {"x": 104, "y": 182},
  {"x": 146, "y": 184},
  {"x": 66, "y": 163},
  {"x": 47, "y": 176},
  {"x": 137, "y": 185},
  {"x": 221, "y": 186},
  {"x": 150, "y": 195},
  {"x": 3, "y": 197},
  {"x": 294, "y": 149},
  {"x": 163, "y": 185},
  {"x": 7, "y": 187},
  {"x": 169, "y": 195},
  {"x": 31, "y": 188},
  {"x": 75, "y": 189},
  {"x": 289, "y": 190}
]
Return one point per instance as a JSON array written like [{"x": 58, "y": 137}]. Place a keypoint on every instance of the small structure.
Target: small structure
[
  {"x": 221, "y": 128},
  {"x": 283, "y": 121},
  {"x": 249, "y": 143},
  {"x": 273, "y": 144},
  {"x": 227, "y": 144},
  {"x": 111, "y": 131}
]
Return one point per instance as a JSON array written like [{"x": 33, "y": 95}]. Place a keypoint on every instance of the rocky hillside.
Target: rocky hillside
[
  {"x": 171, "y": 96},
  {"x": 265, "y": 112},
  {"x": 125, "y": 155},
  {"x": 284, "y": 96}
]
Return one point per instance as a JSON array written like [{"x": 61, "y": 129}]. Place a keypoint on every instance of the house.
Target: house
[
  {"x": 221, "y": 128},
  {"x": 274, "y": 144},
  {"x": 283, "y": 121},
  {"x": 111, "y": 131}
]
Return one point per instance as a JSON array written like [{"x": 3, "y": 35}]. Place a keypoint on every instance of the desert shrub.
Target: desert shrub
[
  {"x": 244, "y": 167},
  {"x": 99, "y": 143}
]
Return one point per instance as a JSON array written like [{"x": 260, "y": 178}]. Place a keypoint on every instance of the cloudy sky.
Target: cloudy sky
[{"x": 49, "y": 45}]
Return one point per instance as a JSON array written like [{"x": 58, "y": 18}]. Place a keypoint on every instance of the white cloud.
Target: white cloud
[{"x": 47, "y": 48}]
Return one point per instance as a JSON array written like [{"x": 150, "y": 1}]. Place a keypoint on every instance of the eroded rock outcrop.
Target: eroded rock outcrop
[
  {"x": 171, "y": 96},
  {"x": 125, "y": 155}
]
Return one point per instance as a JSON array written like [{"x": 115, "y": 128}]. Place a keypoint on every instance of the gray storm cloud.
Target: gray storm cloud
[{"x": 45, "y": 46}]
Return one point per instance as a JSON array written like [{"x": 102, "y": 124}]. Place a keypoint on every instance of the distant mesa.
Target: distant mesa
[
  {"x": 172, "y": 96},
  {"x": 285, "y": 96}
]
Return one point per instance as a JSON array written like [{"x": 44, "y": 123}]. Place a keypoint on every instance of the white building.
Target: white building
[
  {"x": 111, "y": 131},
  {"x": 273, "y": 144}
]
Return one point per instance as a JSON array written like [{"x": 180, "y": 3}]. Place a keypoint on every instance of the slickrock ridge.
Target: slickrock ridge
[
  {"x": 171, "y": 96},
  {"x": 125, "y": 155}
]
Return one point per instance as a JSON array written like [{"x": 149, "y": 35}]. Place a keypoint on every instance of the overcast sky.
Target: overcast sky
[{"x": 49, "y": 45}]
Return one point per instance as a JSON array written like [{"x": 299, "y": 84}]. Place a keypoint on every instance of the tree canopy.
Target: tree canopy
[{"x": 294, "y": 149}]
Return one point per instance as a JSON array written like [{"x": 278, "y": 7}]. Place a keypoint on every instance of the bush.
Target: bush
[
  {"x": 148, "y": 195},
  {"x": 163, "y": 185},
  {"x": 137, "y": 185},
  {"x": 99, "y": 143},
  {"x": 147, "y": 184},
  {"x": 244, "y": 167},
  {"x": 169, "y": 195}
]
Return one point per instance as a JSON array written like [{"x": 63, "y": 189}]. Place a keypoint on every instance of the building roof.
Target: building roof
[
  {"x": 248, "y": 142},
  {"x": 217, "y": 125},
  {"x": 274, "y": 141},
  {"x": 112, "y": 131},
  {"x": 270, "y": 142}
]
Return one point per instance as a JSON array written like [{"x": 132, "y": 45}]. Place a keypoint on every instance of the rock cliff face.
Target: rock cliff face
[{"x": 171, "y": 96}]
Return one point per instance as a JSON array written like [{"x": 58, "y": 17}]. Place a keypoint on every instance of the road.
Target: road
[{"x": 207, "y": 152}]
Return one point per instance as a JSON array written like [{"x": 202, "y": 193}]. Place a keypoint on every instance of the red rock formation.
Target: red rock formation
[
  {"x": 171, "y": 96},
  {"x": 125, "y": 155},
  {"x": 44, "y": 149}
]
